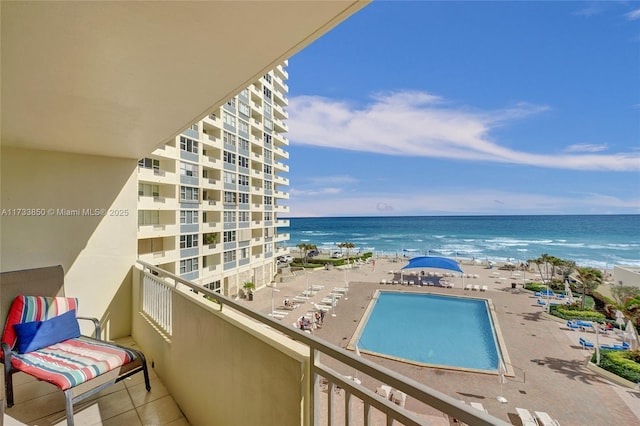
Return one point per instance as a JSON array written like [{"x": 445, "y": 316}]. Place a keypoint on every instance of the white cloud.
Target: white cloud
[
  {"x": 314, "y": 192},
  {"x": 633, "y": 15},
  {"x": 586, "y": 148},
  {"x": 420, "y": 124}
]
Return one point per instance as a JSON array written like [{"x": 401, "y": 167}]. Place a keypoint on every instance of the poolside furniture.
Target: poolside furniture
[
  {"x": 384, "y": 391},
  {"x": 47, "y": 330},
  {"x": 340, "y": 290},
  {"x": 585, "y": 343},
  {"x": 476, "y": 287},
  {"x": 623, "y": 347},
  {"x": 317, "y": 287},
  {"x": 572, "y": 325},
  {"x": 277, "y": 315},
  {"x": 398, "y": 397},
  {"x": 468, "y": 287},
  {"x": 479, "y": 406},
  {"x": 545, "y": 419},
  {"x": 383, "y": 281},
  {"x": 526, "y": 418},
  {"x": 541, "y": 302},
  {"x": 484, "y": 288}
]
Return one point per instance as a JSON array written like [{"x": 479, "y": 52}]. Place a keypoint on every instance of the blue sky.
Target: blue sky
[{"x": 469, "y": 108}]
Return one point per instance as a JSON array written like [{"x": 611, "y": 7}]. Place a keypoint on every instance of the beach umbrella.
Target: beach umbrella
[{"x": 630, "y": 330}]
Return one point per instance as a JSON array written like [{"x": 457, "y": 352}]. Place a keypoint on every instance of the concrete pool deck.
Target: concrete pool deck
[{"x": 550, "y": 372}]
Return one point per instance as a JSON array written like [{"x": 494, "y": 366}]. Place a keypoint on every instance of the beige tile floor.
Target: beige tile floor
[{"x": 125, "y": 403}]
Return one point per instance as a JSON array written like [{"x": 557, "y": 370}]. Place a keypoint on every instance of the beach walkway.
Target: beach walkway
[{"x": 549, "y": 366}]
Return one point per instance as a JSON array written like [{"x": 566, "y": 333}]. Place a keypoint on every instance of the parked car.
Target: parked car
[
  {"x": 285, "y": 259},
  {"x": 336, "y": 255},
  {"x": 313, "y": 253}
]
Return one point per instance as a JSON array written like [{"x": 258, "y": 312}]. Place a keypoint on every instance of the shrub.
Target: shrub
[
  {"x": 535, "y": 286},
  {"x": 625, "y": 364},
  {"x": 573, "y": 312}
]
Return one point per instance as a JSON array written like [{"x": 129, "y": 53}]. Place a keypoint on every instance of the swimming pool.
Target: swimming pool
[{"x": 431, "y": 329}]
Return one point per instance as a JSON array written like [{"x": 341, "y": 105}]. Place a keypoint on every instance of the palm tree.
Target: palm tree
[
  {"x": 346, "y": 245},
  {"x": 588, "y": 279},
  {"x": 304, "y": 249}
]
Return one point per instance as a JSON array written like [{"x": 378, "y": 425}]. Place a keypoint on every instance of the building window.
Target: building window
[
  {"x": 267, "y": 78},
  {"x": 149, "y": 163},
  {"x": 267, "y": 109},
  {"x": 268, "y": 200},
  {"x": 267, "y": 138},
  {"x": 229, "y": 119},
  {"x": 188, "y": 265},
  {"x": 243, "y": 253},
  {"x": 214, "y": 286},
  {"x": 268, "y": 124},
  {"x": 267, "y": 169},
  {"x": 188, "y": 217},
  {"x": 229, "y": 138},
  {"x": 268, "y": 215},
  {"x": 244, "y": 109},
  {"x": 148, "y": 217},
  {"x": 229, "y": 217},
  {"x": 188, "y": 169},
  {"x": 230, "y": 197},
  {"x": 232, "y": 102},
  {"x": 229, "y": 178},
  {"x": 229, "y": 157},
  {"x": 243, "y": 144},
  {"x": 267, "y": 93},
  {"x": 194, "y": 127},
  {"x": 188, "y": 193},
  {"x": 268, "y": 185},
  {"x": 243, "y": 180},
  {"x": 188, "y": 241},
  {"x": 188, "y": 145},
  {"x": 229, "y": 256},
  {"x": 243, "y": 161},
  {"x": 229, "y": 236},
  {"x": 245, "y": 92},
  {"x": 243, "y": 126},
  {"x": 268, "y": 155},
  {"x": 243, "y": 198},
  {"x": 268, "y": 248},
  {"x": 243, "y": 216},
  {"x": 148, "y": 190}
]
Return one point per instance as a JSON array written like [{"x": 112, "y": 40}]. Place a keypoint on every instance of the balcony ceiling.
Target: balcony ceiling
[{"x": 120, "y": 78}]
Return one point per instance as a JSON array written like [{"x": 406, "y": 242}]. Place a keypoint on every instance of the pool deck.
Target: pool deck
[{"x": 549, "y": 366}]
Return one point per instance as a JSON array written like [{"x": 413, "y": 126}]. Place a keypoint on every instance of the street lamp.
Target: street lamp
[
  {"x": 333, "y": 304},
  {"x": 346, "y": 285}
]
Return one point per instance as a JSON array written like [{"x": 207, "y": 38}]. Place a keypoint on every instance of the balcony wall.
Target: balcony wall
[
  {"x": 220, "y": 367},
  {"x": 96, "y": 251}
]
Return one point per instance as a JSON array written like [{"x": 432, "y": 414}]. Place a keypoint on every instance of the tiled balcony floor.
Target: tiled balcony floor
[{"x": 125, "y": 403}]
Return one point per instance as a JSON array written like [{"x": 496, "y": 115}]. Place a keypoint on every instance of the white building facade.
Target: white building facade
[{"x": 209, "y": 200}]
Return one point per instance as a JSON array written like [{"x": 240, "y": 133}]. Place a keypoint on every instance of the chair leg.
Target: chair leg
[
  {"x": 145, "y": 371},
  {"x": 69, "y": 406},
  {"x": 8, "y": 388}
]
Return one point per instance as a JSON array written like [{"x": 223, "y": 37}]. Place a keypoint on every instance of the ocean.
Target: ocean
[{"x": 590, "y": 240}]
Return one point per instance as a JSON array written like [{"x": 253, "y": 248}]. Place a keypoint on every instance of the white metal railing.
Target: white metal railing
[
  {"x": 158, "y": 285},
  {"x": 156, "y": 301}
]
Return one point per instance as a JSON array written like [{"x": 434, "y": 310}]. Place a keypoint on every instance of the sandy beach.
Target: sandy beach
[{"x": 548, "y": 365}]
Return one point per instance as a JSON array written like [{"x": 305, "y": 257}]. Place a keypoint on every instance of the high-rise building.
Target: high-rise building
[{"x": 209, "y": 200}]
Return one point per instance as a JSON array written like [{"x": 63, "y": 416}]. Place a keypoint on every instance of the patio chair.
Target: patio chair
[
  {"x": 384, "y": 391},
  {"x": 484, "y": 288},
  {"x": 526, "y": 418},
  {"x": 545, "y": 419},
  {"x": 41, "y": 325},
  {"x": 585, "y": 343},
  {"x": 398, "y": 397}
]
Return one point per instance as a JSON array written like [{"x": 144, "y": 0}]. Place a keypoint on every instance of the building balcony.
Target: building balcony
[
  {"x": 159, "y": 257},
  {"x": 280, "y": 180},
  {"x": 282, "y": 222},
  {"x": 157, "y": 230},
  {"x": 281, "y": 195},
  {"x": 281, "y": 167},
  {"x": 280, "y": 153},
  {"x": 166, "y": 151},
  {"x": 157, "y": 203},
  {"x": 156, "y": 176},
  {"x": 282, "y": 237},
  {"x": 282, "y": 209}
]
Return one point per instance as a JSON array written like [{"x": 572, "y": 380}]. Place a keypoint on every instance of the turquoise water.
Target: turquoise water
[
  {"x": 432, "y": 329},
  {"x": 598, "y": 240}
]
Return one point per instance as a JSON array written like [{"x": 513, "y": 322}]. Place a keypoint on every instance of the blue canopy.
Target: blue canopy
[{"x": 433, "y": 262}]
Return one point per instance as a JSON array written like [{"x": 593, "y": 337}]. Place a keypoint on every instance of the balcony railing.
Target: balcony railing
[{"x": 320, "y": 362}]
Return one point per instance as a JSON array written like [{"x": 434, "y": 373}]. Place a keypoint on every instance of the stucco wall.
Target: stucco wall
[{"x": 83, "y": 217}]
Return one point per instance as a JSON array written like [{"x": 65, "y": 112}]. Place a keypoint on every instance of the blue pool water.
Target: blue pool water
[{"x": 432, "y": 329}]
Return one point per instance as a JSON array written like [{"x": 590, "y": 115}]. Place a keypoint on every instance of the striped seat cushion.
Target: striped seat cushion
[
  {"x": 72, "y": 362},
  {"x": 34, "y": 308}
]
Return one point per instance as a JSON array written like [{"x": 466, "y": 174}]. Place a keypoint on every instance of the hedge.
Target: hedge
[
  {"x": 621, "y": 363},
  {"x": 570, "y": 314}
]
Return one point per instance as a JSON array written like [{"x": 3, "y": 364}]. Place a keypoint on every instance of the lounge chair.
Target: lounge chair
[
  {"x": 468, "y": 287},
  {"x": 484, "y": 288},
  {"x": 478, "y": 406},
  {"x": 526, "y": 418},
  {"x": 476, "y": 287},
  {"x": 541, "y": 302},
  {"x": 384, "y": 391},
  {"x": 572, "y": 325},
  {"x": 545, "y": 419},
  {"x": 383, "y": 281},
  {"x": 585, "y": 343},
  {"x": 46, "y": 328},
  {"x": 623, "y": 347},
  {"x": 398, "y": 397}
]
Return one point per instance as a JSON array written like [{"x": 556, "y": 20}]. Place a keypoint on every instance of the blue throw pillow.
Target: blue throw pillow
[{"x": 40, "y": 334}]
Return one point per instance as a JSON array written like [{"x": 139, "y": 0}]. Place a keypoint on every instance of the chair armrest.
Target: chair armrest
[
  {"x": 6, "y": 352},
  {"x": 96, "y": 324}
]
